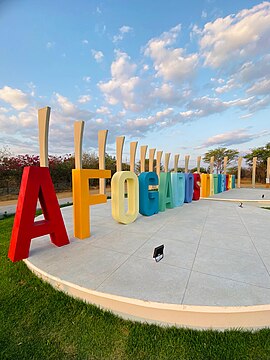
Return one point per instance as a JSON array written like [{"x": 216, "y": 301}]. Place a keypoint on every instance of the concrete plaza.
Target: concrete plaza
[{"x": 216, "y": 254}]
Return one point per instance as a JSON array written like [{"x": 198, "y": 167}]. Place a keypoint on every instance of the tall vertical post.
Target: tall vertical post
[
  {"x": 119, "y": 152},
  {"x": 142, "y": 159},
  {"x": 176, "y": 160},
  {"x": 133, "y": 148},
  {"x": 199, "y": 164},
  {"x": 43, "y": 126},
  {"x": 212, "y": 159},
  {"x": 186, "y": 163},
  {"x": 78, "y": 138},
  {"x": 268, "y": 172},
  {"x": 167, "y": 160},
  {"x": 102, "y": 138},
  {"x": 151, "y": 159},
  {"x": 225, "y": 164},
  {"x": 254, "y": 172},
  {"x": 159, "y": 156},
  {"x": 239, "y": 172}
]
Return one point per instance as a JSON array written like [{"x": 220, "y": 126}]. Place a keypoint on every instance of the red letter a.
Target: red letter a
[{"x": 36, "y": 184}]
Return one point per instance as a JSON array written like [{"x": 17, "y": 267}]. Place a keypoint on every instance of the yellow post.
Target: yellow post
[
  {"x": 43, "y": 126},
  {"x": 143, "y": 155},
  {"x": 176, "y": 160},
  {"x": 212, "y": 159},
  {"x": 102, "y": 138},
  {"x": 239, "y": 172},
  {"x": 151, "y": 159},
  {"x": 225, "y": 164},
  {"x": 133, "y": 148},
  {"x": 199, "y": 164},
  {"x": 186, "y": 163},
  {"x": 159, "y": 156},
  {"x": 167, "y": 159},
  {"x": 78, "y": 137},
  {"x": 119, "y": 151},
  {"x": 254, "y": 172},
  {"x": 268, "y": 173}
]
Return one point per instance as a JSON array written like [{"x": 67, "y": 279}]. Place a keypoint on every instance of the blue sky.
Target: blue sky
[{"x": 180, "y": 76}]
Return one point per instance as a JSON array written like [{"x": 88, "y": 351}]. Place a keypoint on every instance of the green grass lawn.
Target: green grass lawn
[{"x": 38, "y": 322}]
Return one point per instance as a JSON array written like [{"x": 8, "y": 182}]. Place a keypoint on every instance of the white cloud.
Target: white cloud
[
  {"x": 84, "y": 99},
  {"x": 97, "y": 55},
  {"x": 87, "y": 78},
  {"x": 122, "y": 31},
  {"x": 50, "y": 44},
  {"x": 103, "y": 110},
  {"x": 15, "y": 97},
  {"x": 3, "y": 109},
  {"x": 260, "y": 88},
  {"x": 168, "y": 94},
  {"x": 236, "y": 37},
  {"x": 234, "y": 137},
  {"x": 145, "y": 67},
  {"x": 85, "y": 42},
  {"x": 171, "y": 64},
  {"x": 67, "y": 108},
  {"x": 246, "y": 116},
  {"x": 227, "y": 87},
  {"x": 204, "y": 14},
  {"x": 123, "y": 86}
]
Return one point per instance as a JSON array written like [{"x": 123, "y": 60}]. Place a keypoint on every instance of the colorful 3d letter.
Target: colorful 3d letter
[
  {"x": 233, "y": 181},
  {"x": 36, "y": 184},
  {"x": 205, "y": 180},
  {"x": 220, "y": 188},
  {"x": 118, "y": 196},
  {"x": 178, "y": 188},
  {"x": 148, "y": 198},
  {"x": 227, "y": 182},
  {"x": 230, "y": 182},
  {"x": 223, "y": 182},
  {"x": 165, "y": 191},
  {"x": 215, "y": 177},
  {"x": 189, "y": 180},
  {"x": 82, "y": 199},
  {"x": 197, "y": 187}
]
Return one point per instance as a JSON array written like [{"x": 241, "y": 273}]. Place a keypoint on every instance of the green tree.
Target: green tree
[
  {"x": 219, "y": 155},
  {"x": 262, "y": 153}
]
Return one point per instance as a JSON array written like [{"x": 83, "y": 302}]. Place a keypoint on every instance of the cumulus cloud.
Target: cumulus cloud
[
  {"x": 236, "y": 37},
  {"x": 84, "y": 99},
  {"x": 15, "y": 97},
  {"x": 97, "y": 55},
  {"x": 103, "y": 110},
  {"x": 140, "y": 125},
  {"x": 260, "y": 88},
  {"x": 67, "y": 108},
  {"x": 205, "y": 106},
  {"x": 234, "y": 137},
  {"x": 171, "y": 64},
  {"x": 124, "y": 84},
  {"x": 122, "y": 31}
]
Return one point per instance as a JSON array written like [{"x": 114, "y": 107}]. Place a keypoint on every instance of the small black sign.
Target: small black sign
[{"x": 158, "y": 253}]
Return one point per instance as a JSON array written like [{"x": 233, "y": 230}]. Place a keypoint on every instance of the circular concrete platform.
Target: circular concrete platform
[{"x": 215, "y": 272}]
